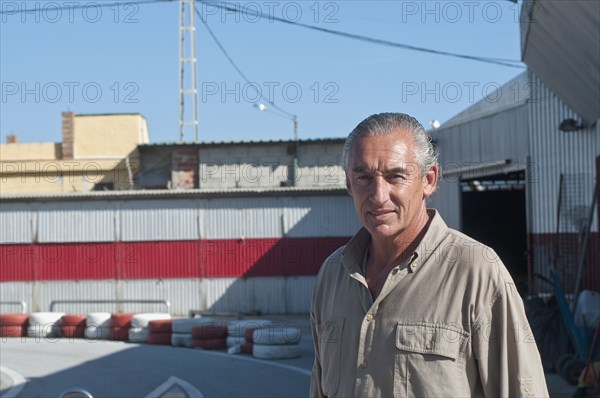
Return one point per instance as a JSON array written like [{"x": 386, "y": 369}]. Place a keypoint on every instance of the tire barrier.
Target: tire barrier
[
  {"x": 185, "y": 325},
  {"x": 119, "y": 326},
  {"x": 44, "y": 324},
  {"x": 209, "y": 344},
  {"x": 288, "y": 335},
  {"x": 247, "y": 348},
  {"x": 160, "y": 331},
  {"x": 209, "y": 332},
  {"x": 233, "y": 340},
  {"x": 97, "y": 326},
  {"x": 238, "y": 328},
  {"x": 73, "y": 326},
  {"x": 139, "y": 331},
  {"x": 181, "y": 340},
  {"x": 276, "y": 351},
  {"x": 142, "y": 320},
  {"x": 137, "y": 335},
  {"x": 159, "y": 338},
  {"x": 160, "y": 326},
  {"x": 13, "y": 325}
]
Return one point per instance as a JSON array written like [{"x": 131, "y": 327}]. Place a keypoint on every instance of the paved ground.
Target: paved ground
[{"x": 116, "y": 369}]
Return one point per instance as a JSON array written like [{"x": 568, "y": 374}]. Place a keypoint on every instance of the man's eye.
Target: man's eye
[
  {"x": 397, "y": 177},
  {"x": 363, "y": 177}
]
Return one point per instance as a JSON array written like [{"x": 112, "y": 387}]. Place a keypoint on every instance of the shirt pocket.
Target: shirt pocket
[
  {"x": 429, "y": 359},
  {"x": 330, "y": 335}
]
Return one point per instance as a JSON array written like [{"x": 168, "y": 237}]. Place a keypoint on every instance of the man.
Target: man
[{"x": 410, "y": 307}]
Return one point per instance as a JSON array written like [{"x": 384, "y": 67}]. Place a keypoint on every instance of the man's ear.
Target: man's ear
[{"x": 430, "y": 180}]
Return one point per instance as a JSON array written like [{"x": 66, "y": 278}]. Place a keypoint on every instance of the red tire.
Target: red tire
[
  {"x": 160, "y": 326},
  {"x": 248, "y": 334},
  {"x": 13, "y": 319},
  {"x": 209, "y": 332},
  {"x": 76, "y": 331},
  {"x": 247, "y": 348},
  {"x": 74, "y": 320},
  {"x": 121, "y": 320},
  {"x": 209, "y": 344},
  {"x": 159, "y": 338},
  {"x": 119, "y": 333},
  {"x": 12, "y": 331}
]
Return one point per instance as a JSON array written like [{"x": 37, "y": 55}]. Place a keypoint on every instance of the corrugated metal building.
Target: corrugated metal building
[
  {"x": 502, "y": 161},
  {"x": 241, "y": 250}
]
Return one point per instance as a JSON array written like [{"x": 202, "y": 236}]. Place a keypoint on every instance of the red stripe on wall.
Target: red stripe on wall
[{"x": 166, "y": 259}]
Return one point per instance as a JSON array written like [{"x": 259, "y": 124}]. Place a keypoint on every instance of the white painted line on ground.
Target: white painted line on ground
[
  {"x": 172, "y": 382},
  {"x": 18, "y": 382},
  {"x": 261, "y": 361}
]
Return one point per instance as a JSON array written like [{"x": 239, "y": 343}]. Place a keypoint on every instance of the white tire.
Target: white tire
[
  {"x": 142, "y": 320},
  {"x": 181, "y": 340},
  {"x": 98, "y": 319},
  {"x": 185, "y": 325},
  {"x": 238, "y": 328},
  {"x": 138, "y": 335},
  {"x": 277, "y": 336},
  {"x": 234, "y": 340},
  {"x": 43, "y": 330},
  {"x": 44, "y": 324},
  {"x": 276, "y": 351},
  {"x": 43, "y": 318},
  {"x": 96, "y": 333}
]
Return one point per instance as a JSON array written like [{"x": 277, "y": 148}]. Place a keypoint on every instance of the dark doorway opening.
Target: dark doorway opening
[{"x": 494, "y": 213}]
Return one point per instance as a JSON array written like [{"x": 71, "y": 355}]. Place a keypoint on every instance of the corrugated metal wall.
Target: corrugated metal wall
[
  {"x": 225, "y": 254},
  {"x": 492, "y": 138},
  {"x": 554, "y": 152}
]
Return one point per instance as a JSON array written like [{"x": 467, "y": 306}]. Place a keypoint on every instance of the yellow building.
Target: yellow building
[{"x": 97, "y": 152}]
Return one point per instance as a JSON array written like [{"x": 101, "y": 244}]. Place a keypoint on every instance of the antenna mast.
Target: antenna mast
[{"x": 187, "y": 87}]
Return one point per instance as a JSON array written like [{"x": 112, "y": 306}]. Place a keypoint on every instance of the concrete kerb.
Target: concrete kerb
[{"x": 11, "y": 382}]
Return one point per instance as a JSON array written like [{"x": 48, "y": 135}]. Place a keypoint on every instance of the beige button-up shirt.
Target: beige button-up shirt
[{"x": 448, "y": 323}]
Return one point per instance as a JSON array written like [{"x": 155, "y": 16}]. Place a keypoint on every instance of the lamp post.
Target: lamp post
[{"x": 263, "y": 108}]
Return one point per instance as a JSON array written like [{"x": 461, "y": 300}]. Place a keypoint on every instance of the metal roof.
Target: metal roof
[
  {"x": 256, "y": 142},
  {"x": 161, "y": 193},
  {"x": 561, "y": 45}
]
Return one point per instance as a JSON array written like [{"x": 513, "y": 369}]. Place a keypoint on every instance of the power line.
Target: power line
[
  {"x": 237, "y": 68},
  {"x": 497, "y": 61}
]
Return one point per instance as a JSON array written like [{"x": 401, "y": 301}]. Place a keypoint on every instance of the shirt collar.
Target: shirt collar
[{"x": 353, "y": 253}]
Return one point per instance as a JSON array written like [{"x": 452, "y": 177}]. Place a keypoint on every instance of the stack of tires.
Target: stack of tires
[
  {"x": 211, "y": 336},
  {"x": 97, "y": 326},
  {"x": 182, "y": 330},
  {"x": 274, "y": 342},
  {"x": 13, "y": 325},
  {"x": 119, "y": 326},
  {"x": 160, "y": 331},
  {"x": 73, "y": 326},
  {"x": 44, "y": 324},
  {"x": 240, "y": 332},
  {"x": 138, "y": 333}
]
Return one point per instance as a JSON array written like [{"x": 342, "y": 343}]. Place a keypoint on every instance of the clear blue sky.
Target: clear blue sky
[{"x": 331, "y": 83}]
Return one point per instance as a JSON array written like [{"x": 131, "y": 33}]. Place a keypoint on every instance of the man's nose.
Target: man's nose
[{"x": 379, "y": 191}]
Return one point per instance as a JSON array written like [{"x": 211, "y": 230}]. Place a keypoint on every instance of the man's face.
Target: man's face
[{"x": 386, "y": 184}]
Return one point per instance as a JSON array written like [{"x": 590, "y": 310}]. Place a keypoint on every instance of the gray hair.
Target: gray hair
[{"x": 425, "y": 154}]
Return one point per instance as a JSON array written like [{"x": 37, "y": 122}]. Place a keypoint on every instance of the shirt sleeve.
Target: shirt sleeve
[{"x": 508, "y": 359}]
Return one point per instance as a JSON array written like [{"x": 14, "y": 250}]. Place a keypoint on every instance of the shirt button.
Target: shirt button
[
  {"x": 428, "y": 345},
  {"x": 369, "y": 317},
  {"x": 363, "y": 364},
  {"x": 527, "y": 388}
]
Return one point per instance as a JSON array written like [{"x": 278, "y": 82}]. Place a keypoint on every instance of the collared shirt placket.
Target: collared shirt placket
[{"x": 365, "y": 344}]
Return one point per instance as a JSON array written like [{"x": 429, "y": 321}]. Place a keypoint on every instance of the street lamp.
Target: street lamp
[{"x": 263, "y": 108}]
